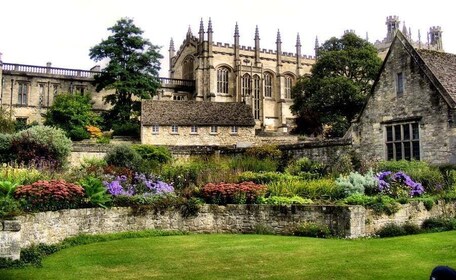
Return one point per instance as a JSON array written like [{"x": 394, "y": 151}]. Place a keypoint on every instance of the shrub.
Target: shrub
[
  {"x": 410, "y": 228},
  {"x": 126, "y": 129},
  {"x": 449, "y": 176},
  {"x": 184, "y": 174},
  {"x": 321, "y": 188},
  {"x": 383, "y": 204},
  {"x": 7, "y": 125},
  {"x": 123, "y": 156},
  {"x": 283, "y": 200},
  {"x": 265, "y": 177},
  {"x": 264, "y": 152},
  {"x": 78, "y": 133},
  {"x": 398, "y": 185},
  {"x": 9, "y": 207},
  {"x": 104, "y": 139},
  {"x": 439, "y": 224},
  {"x": 152, "y": 156},
  {"x": 7, "y": 188},
  {"x": 342, "y": 166},
  {"x": 94, "y": 132},
  {"x": 95, "y": 192},
  {"x": 249, "y": 163},
  {"x": 305, "y": 165},
  {"x": 160, "y": 154},
  {"x": 359, "y": 199},
  {"x": 429, "y": 176},
  {"x": 5, "y": 148},
  {"x": 230, "y": 193},
  {"x": 356, "y": 183},
  {"x": 391, "y": 230},
  {"x": 50, "y": 195},
  {"x": 72, "y": 113},
  {"x": 42, "y": 145},
  {"x": 311, "y": 229},
  {"x": 23, "y": 176}
]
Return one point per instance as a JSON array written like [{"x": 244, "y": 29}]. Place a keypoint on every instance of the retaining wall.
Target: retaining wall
[{"x": 347, "y": 221}]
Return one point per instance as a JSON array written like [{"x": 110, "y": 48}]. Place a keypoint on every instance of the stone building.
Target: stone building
[
  {"x": 189, "y": 123},
  {"x": 410, "y": 113},
  {"x": 432, "y": 41},
  {"x": 233, "y": 73},
  {"x": 200, "y": 70},
  {"x": 29, "y": 90}
]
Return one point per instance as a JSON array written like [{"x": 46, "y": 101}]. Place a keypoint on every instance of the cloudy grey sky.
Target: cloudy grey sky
[{"x": 62, "y": 31}]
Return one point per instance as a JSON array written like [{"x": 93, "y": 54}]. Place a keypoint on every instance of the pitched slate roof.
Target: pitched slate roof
[
  {"x": 201, "y": 113},
  {"x": 443, "y": 66}
]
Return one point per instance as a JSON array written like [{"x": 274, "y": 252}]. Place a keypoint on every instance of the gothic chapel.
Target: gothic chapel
[{"x": 233, "y": 73}]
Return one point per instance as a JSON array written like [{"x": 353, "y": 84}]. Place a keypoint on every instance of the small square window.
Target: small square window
[
  {"x": 155, "y": 129},
  {"x": 174, "y": 129},
  {"x": 234, "y": 130},
  {"x": 194, "y": 129},
  {"x": 214, "y": 129}
]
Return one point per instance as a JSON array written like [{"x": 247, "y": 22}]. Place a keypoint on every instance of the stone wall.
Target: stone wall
[
  {"x": 347, "y": 221},
  {"x": 324, "y": 151},
  {"x": 10, "y": 239}
]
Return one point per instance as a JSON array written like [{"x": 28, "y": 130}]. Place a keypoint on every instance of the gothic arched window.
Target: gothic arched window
[
  {"x": 267, "y": 85},
  {"x": 246, "y": 86},
  {"x": 187, "y": 68},
  {"x": 256, "y": 97},
  {"x": 288, "y": 86},
  {"x": 222, "y": 79}
]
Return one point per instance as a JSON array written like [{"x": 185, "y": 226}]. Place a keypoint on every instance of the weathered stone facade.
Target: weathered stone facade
[
  {"x": 348, "y": 221},
  {"x": 234, "y": 73},
  {"x": 409, "y": 111},
  {"x": 204, "y": 137},
  {"x": 30, "y": 90}
]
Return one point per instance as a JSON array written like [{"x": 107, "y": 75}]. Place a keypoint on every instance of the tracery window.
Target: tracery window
[
  {"x": 267, "y": 85},
  {"x": 222, "y": 79}
]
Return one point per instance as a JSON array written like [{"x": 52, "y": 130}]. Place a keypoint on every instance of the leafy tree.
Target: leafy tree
[
  {"x": 7, "y": 125},
  {"x": 72, "y": 113},
  {"x": 132, "y": 71},
  {"x": 338, "y": 85}
]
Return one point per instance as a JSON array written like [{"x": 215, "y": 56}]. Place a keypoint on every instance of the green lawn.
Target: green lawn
[{"x": 248, "y": 257}]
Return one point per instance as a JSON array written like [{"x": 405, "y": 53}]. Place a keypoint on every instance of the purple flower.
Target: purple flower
[
  {"x": 397, "y": 183},
  {"x": 114, "y": 188},
  {"x": 416, "y": 190}
]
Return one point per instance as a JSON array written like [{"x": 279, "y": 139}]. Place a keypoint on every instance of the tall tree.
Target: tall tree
[
  {"x": 338, "y": 85},
  {"x": 131, "y": 71}
]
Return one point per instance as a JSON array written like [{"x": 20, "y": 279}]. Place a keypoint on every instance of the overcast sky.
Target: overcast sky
[{"x": 62, "y": 31}]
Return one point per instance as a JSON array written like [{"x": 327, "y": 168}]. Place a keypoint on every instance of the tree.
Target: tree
[
  {"x": 338, "y": 86},
  {"x": 132, "y": 71},
  {"x": 72, "y": 113},
  {"x": 7, "y": 125}
]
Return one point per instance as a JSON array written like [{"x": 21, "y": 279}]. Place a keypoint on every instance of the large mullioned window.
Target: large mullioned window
[
  {"x": 22, "y": 94},
  {"x": 402, "y": 141},
  {"x": 222, "y": 80}
]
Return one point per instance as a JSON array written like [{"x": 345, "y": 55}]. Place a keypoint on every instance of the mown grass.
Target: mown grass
[{"x": 248, "y": 257}]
